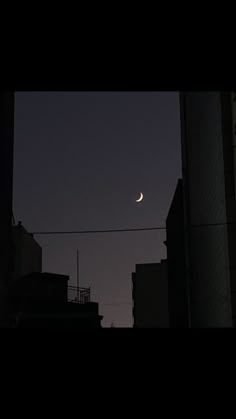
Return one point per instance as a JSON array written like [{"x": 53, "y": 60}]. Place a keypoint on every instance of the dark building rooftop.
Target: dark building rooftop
[
  {"x": 26, "y": 252},
  {"x": 41, "y": 300}
]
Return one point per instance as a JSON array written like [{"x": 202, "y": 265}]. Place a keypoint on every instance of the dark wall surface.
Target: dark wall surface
[
  {"x": 206, "y": 134},
  {"x": 6, "y": 177}
]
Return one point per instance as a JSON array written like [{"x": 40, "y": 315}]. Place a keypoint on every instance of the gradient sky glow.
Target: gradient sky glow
[{"x": 80, "y": 160}]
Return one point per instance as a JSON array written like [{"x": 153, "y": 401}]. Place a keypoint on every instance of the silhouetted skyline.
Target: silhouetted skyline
[{"x": 80, "y": 158}]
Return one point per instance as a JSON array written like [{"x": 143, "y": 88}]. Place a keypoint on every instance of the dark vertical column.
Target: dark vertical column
[
  {"x": 6, "y": 189},
  {"x": 206, "y": 198},
  {"x": 185, "y": 177},
  {"x": 77, "y": 276},
  {"x": 176, "y": 257},
  {"x": 228, "y": 106}
]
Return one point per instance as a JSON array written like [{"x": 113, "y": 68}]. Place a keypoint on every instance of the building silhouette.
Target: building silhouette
[
  {"x": 44, "y": 300},
  {"x": 175, "y": 243},
  {"x": 209, "y": 184},
  {"x": 26, "y": 252},
  {"x": 150, "y": 295},
  {"x": 6, "y": 180},
  {"x": 40, "y": 300}
]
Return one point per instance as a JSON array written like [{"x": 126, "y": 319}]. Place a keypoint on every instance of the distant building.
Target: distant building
[
  {"x": 6, "y": 181},
  {"x": 27, "y": 253},
  {"x": 175, "y": 242},
  {"x": 208, "y": 131},
  {"x": 150, "y": 295},
  {"x": 44, "y": 300},
  {"x": 40, "y": 300}
]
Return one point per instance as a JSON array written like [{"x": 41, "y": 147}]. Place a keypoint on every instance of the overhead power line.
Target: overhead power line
[
  {"x": 116, "y": 304},
  {"x": 98, "y": 231},
  {"x": 126, "y": 230}
]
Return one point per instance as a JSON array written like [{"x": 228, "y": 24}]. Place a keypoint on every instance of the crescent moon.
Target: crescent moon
[{"x": 140, "y": 198}]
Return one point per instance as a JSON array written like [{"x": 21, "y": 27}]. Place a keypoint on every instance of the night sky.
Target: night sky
[{"x": 80, "y": 160}]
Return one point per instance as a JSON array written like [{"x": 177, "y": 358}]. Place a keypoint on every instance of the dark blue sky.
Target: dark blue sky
[{"x": 80, "y": 160}]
